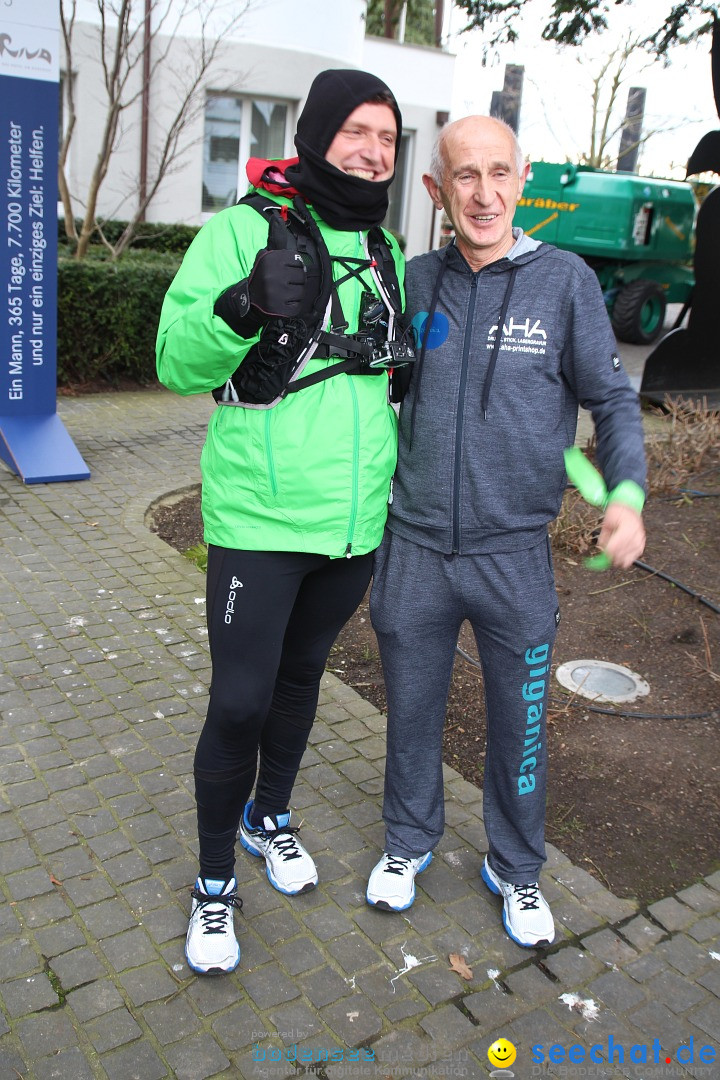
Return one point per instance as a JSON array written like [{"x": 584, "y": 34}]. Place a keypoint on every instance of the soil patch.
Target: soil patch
[{"x": 633, "y": 797}]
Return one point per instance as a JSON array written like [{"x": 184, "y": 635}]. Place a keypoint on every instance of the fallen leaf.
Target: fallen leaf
[{"x": 459, "y": 963}]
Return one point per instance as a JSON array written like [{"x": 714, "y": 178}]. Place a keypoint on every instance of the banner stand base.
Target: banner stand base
[{"x": 39, "y": 449}]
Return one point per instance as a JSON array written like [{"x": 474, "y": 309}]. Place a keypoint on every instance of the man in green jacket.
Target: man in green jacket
[{"x": 287, "y": 310}]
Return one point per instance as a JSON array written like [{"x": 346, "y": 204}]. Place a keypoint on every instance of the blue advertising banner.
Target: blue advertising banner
[{"x": 33, "y": 439}]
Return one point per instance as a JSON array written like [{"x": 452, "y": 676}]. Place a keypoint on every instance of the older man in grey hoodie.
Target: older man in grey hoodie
[{"x": 513, "y": 336}]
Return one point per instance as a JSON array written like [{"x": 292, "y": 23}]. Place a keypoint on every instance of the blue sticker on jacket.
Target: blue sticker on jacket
[{"x": 438, "y": 331}]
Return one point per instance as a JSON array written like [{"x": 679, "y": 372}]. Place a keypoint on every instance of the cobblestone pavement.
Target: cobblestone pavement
[{"x": 103, "y": 691}]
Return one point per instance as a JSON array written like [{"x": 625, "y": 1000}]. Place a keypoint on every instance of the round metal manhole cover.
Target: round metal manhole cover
[{"x": 601, "y": 681}]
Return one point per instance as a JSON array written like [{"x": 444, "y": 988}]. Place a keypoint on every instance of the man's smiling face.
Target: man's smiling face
[
  {"x": 365, "y": 144},
  {"x": 480, "y": 187}
]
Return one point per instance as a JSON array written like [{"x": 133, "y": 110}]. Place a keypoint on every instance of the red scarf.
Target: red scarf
[{"x": 270, "y": 175}]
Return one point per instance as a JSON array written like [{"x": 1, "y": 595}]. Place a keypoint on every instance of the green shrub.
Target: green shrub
[
  {"x": 400, "y": 239},
  {"x": 108, "y": 314},
  {"x": 198, "y": 554},
  {"x": 149, "y": 236}
]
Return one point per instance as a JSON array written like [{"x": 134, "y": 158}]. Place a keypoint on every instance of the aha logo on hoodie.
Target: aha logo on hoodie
[{"x": 523, "y": 335}]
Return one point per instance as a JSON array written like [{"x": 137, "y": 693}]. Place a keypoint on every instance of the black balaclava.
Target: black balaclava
[{"x": 344, "y": 202}]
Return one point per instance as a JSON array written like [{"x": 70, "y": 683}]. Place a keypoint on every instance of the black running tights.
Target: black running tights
[{"x": 272, "y": 619}]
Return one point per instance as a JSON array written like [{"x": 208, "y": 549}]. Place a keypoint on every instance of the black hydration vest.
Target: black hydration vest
[{"x": 273, "y": 366}]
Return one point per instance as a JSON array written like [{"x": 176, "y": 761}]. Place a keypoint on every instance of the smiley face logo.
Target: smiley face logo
[{"x": 502, "y": 1053}]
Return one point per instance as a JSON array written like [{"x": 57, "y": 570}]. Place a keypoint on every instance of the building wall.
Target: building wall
[
  {"x": 332, "y": 29},
  {"x": 276, "y": 54},
  {"x": 422, "y": 80}
]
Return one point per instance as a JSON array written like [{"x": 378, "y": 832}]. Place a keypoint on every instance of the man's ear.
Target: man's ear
[
  {"x": 523, "y": 177},
  {"x": 433, "y": 190}
]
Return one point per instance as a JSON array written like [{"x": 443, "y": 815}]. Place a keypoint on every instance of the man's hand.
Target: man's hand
[
  {"x": 622, "y": 536},
  {"x": 276, "y": 287},
  {"x": 277, "y": 284}
]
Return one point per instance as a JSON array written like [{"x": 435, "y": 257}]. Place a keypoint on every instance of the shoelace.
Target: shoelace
[
  {"x": 284, "y": 840},
  {"x": 396, "y": 864},
  {"x": 529, "y": 896},
  {"x": 214, "y": 922}
]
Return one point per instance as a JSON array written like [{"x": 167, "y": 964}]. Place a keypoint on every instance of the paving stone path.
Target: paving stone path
[{"x": 102, "y": 693}]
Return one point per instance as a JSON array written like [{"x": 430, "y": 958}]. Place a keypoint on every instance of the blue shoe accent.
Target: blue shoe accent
[
  {"x": 276, "y": 884},
  {"x": 390, "y": 907},
  {"x": 210, "y": 970},
  {"x": 248, "y": 828},
  {"x": 508, "y": 931},
  {"x": 490, "y": 883},
  {"x": 211, "y": 886}
]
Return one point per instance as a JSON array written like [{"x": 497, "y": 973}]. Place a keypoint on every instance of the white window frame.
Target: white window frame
[
  {"x": 404, "y": 192},
  {"x": 248, "y": 100}
]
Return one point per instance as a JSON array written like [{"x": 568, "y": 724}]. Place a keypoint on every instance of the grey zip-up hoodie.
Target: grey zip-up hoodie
[{"x": 486, "y": 419}]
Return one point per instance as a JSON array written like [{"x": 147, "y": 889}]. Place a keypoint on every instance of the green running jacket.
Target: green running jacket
[{"x": 313, "y": 473}]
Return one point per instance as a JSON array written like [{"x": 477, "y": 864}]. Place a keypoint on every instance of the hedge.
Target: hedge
[
  {"x": 108, "y": 314},
  {"x": 149, "y": 236}
]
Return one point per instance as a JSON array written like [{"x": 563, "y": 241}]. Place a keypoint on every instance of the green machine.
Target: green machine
[{"x": 636, "y": 232}]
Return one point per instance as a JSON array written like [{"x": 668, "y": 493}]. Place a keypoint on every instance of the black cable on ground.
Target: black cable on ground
[
  {"x": 673, "y": 581},
  {"x": 677, "y": 584},
  {"x": 470, "y": 659},
  {"x": 579, "y": 703}
]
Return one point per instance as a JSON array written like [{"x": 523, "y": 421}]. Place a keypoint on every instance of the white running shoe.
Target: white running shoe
[
  {"x": 526, "y": 913},
  {"x": 211, "y": 946},
  {"x": 392, "y": 883},
  {"x": 288, "y": 865}
]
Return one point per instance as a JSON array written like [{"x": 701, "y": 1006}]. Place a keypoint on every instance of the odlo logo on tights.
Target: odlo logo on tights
[{"x": 234, "y": 586}]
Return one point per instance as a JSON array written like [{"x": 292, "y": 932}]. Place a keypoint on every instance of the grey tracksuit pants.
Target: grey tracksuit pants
[{"x": 418, "y": 603}]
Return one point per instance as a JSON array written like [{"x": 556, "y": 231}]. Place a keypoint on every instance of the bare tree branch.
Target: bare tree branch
[
  {"x": 602, "y": 116},
  {"x": 120, "y": 53},
  {"x": 67, "y": 24},
  {"x": 606, "y": 123}
]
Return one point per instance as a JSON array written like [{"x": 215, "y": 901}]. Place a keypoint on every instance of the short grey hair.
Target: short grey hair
[{"x": 437, "y": 156}]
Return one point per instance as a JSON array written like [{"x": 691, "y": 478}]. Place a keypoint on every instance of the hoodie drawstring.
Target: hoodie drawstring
[
  {"x": 426, "y": 335},
  {"x": 498, "y": 337},
  {"x": 425, "y": 338}
]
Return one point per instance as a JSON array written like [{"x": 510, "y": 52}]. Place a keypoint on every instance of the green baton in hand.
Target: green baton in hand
[{"x": 589, "y": 482}]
